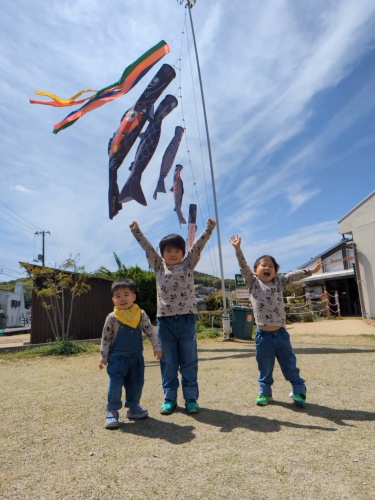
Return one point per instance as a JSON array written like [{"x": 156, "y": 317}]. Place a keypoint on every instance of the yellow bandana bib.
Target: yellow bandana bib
[{"x": 131, "y": 316}]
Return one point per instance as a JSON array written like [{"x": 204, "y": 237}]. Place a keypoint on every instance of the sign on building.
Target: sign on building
[
  {"x": 242, "y": 293},
  {"x": 240, "y": 281}
]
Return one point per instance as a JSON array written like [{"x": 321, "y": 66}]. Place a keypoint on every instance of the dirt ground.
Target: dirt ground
[{"x": 54, "y": 445}]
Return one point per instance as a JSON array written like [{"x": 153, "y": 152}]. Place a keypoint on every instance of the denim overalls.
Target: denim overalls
[{"x": 126, "y": 368}]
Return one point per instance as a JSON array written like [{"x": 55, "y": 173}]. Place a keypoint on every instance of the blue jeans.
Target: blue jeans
[
  {"x": 271, "y": 346},
  {"x": 179, "y": 345},
  {"x": 126, "y": 368}
]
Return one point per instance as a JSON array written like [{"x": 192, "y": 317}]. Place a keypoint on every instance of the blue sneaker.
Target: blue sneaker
[
  {"x": 136, "y": 413},
  {"x": 191, "y": 406},
  {"x": 111, "y": 420},
  {"x": 299, "y": 399},
  {"x": 168, "y": 407}
]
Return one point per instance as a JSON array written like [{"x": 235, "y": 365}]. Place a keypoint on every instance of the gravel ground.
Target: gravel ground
[{"x": 54, "y": 445}]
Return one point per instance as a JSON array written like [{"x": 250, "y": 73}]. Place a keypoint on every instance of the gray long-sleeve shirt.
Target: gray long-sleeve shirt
[
  {"x": 267, "y": 298},
  {"x": 175, "y": 284}
]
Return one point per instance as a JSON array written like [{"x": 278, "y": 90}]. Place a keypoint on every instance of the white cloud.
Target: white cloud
[{"x": 21, "y": 188}]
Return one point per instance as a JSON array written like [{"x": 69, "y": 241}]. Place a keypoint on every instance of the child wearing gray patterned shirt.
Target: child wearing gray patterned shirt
[
  {"x": 272, "y": 339},
  {"x": 176, "y": 313}
]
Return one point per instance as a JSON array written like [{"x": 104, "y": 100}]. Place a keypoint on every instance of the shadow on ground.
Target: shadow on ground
[{"x": 226, "y": 421}]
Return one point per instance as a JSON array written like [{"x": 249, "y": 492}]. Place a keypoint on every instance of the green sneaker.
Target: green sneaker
[
  {"x": 191, "y": 406},
  {"x": 299, "y": 399},
  {"x": 263, "y": 400},
  {"x": 168, "y": 407}
]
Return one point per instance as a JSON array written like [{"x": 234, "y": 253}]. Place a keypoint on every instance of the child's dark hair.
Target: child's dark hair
[
  {"x": 122, "y": 283},
  {"x": 172, "y": 241},
  {"x": 257, "y": 262}
]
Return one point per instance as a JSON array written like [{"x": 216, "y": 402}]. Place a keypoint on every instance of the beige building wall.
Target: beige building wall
[{"x": 360, "y": 223}]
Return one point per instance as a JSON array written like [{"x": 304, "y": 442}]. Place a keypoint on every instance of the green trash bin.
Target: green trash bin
[{"x": 242, "y": 322}]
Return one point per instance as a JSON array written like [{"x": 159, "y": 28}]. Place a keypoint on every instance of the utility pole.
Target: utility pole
[{"x": 42, "y": 256}]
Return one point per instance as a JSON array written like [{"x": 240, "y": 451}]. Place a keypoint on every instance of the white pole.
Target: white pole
[{"x": 226, "y": 320}]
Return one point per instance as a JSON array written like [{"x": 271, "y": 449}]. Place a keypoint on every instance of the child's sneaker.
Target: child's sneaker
[
  {"x": 263, "y": 400},
  {"x": 111, "y": 420},
  {"x": 191, "y": 406},
  {"x": 136, "y": 412},
  {"x": 299, "y": 399},
  {"x": 168, "y": 407}
]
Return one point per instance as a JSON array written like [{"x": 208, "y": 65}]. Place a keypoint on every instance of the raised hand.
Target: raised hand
[{"x": 236, "y": 241}]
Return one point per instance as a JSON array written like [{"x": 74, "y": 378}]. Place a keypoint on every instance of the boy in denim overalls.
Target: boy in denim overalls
[{"x": 122, "y": 352}]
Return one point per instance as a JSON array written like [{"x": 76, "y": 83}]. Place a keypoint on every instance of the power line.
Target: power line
[
  {"x": 22, "y": 229},
  {"x": 20, "y": 216}
]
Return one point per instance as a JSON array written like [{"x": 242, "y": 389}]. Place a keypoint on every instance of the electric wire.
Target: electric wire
[
  {"x": 20, "y": 216},
  {"x": 22, "y": 229}
]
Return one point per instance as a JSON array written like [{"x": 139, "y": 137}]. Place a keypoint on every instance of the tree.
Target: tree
[
  {"x": 57, "y": 290},
  {"x": 145, "y": 283}
]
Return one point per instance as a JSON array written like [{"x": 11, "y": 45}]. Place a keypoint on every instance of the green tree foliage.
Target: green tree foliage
[
  {"x": 294, "y": 289},
  {"x": 145, "y": 282},
  {"x": 208, "y": 280},
  {"x": 57, "y": 290}
]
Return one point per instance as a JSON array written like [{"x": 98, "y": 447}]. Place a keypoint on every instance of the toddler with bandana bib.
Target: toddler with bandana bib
[{"x": 122, "y": 352}]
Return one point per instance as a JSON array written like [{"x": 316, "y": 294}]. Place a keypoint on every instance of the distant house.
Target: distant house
[
  {"x": 349, "y": 267},
  {"x": 12, "y": 307},
  {"x": 336, "y": 278},
  {"x": 204, "y": 291}
]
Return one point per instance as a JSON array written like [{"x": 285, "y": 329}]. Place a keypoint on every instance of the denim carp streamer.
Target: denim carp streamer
[
  {"x": 130, "y": 77},
  {"x": 192, "y": 226},
  {"x": 178, "y": 193},
  {"x": 168, "y": 159},
  {"x": 130, "y": 127},
  {"x": 146, "y": 148}
]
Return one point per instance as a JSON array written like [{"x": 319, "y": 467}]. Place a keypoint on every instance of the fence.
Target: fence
[{"x": 315, "y": 306}]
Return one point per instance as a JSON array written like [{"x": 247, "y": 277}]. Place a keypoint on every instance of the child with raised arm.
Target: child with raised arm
[
  {"x": 122, "y": 352},
  {"x": 176, "y": 313},
  {"x": 272, "y": 340}
]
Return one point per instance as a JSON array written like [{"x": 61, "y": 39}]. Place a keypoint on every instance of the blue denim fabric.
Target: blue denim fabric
[
  {"x": 271, "y": 346},
  {"x": 126, "y": 368},
  {"x": 179, "y": 345}
]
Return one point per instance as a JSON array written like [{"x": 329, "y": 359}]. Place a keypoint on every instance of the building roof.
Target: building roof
[
  {"x": 313, "y": 259},
  {"x": 357, "y": 206},
  {"x": 329, "y": 276}
]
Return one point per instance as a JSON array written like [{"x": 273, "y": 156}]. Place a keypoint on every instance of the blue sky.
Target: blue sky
[{"x": 290, "y": 98}]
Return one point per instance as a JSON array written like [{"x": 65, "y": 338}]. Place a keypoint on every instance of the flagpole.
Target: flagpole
[{"x": 225, "y": 317}]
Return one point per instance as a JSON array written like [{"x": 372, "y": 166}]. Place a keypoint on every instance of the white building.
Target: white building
[
  {"x": 12, "y": 307},
  {"x": 349, "y": 267},
  {"x": 359, "y": 223}
]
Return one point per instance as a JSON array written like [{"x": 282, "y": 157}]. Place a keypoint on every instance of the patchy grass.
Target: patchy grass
[
  {"x": 203, "y": 332},
  {"x": 62, "y": 348}
]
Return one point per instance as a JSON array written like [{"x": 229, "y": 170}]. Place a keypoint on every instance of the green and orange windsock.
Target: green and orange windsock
[{"x": 128, "y": 80}]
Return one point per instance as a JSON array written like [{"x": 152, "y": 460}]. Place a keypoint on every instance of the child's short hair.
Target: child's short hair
[
  {"x": 257, "y": 262},
  {"x": 172, "y": 241},
  {"x": 122, "y": 283}
]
